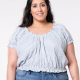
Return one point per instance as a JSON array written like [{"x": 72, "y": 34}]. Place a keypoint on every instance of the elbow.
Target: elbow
[
  {"x": 11, "y": 66},
  {"x": 72, "y": 62}
]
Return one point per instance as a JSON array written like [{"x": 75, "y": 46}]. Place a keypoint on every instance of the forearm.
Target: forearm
[
  {"x": 74, "y": 70},
  {"x": 11, "y": 73}
]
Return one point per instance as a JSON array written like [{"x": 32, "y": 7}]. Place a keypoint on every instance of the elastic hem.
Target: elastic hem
[{"x": 38, "y": 69}]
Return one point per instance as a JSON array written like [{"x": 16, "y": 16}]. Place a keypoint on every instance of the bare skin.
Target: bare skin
[
  {"x": 12, "y": 63},
  {"x": 38, "y": 22},
  {"x": 72, "y": 65},
  {"x": 41, "y": 30}
]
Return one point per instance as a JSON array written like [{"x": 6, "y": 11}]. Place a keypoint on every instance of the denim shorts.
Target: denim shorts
[{"x": 32, "y": 75}]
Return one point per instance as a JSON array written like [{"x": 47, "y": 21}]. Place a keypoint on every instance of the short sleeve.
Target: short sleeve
[
  {"x": 67, "y": 35},
  {"x": 12, "y": 42}
]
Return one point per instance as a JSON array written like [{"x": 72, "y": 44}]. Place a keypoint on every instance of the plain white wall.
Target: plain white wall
[{"x": 66, "y": 12}]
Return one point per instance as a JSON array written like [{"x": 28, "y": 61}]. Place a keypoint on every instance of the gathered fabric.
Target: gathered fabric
[{"x": 43, "y": 52}]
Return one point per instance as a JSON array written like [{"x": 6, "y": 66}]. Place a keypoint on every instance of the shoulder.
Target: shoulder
[
  {"x": 61, "y": 27},
  {"x": 63, "y": 30},
  {"x": 18, "y": 30}
]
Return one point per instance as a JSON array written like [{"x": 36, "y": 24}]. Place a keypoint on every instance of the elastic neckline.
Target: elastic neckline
[{"x": 40, "y": 34}]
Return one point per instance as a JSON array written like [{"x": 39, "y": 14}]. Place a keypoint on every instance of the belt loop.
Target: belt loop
[{"x": 29, "y": 71}]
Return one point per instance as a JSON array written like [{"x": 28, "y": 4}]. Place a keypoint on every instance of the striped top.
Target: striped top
[{"x": 43, "y": 52}]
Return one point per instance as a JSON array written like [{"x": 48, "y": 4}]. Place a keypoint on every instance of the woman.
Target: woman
[{"x": 39, "y": 48}]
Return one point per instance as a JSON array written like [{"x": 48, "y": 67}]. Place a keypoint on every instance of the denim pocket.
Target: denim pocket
[
  {"x": 22, "y": 73},
  {"x": 61, "y": 75}
]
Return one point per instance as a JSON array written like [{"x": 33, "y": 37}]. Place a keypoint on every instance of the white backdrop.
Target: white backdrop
[{"x": 66, "y": 12}]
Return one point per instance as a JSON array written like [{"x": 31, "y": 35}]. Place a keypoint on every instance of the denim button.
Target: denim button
[{"x": 29, "y": 72}]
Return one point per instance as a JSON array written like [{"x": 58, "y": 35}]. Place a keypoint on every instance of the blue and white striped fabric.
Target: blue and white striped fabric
[{"x": 43, "y": 52}]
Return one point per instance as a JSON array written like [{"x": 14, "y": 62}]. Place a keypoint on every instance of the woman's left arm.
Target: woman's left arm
[{"x": 72, "y": 65}]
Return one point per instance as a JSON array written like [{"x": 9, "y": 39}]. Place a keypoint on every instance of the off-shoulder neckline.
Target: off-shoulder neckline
[{"x": 44, "y": 34}]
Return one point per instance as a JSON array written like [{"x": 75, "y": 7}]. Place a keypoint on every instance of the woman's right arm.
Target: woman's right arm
[{"x": 12, "y": 63}]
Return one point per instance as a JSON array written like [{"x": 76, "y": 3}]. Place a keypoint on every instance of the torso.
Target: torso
[{"x": 38, "y": 30}]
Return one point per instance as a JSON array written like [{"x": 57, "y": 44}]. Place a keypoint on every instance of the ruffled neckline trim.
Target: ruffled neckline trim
[{"x": 44, "y": 34}]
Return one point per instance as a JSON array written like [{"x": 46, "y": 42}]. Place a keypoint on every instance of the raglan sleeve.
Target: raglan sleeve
[
  {"x": 68, "y": 37},
  {"x": 12, "y": 42}
]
